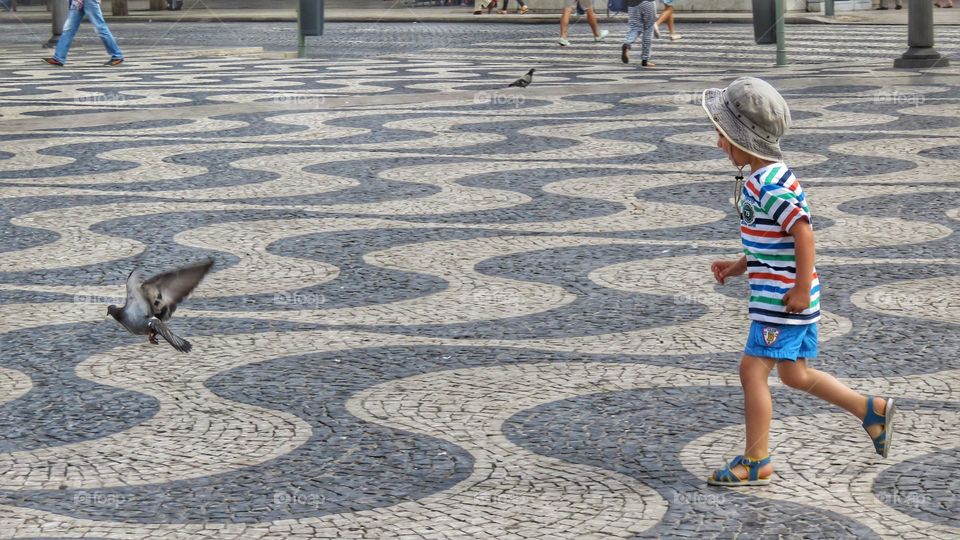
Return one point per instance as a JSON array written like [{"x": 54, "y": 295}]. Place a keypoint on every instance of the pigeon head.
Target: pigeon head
[{"x": 113, "y": 311}]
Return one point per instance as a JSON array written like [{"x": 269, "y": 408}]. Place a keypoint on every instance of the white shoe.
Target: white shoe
[
  {"x": 656, "y": 31},
  {"x": 674, "y": 37},
  {"x": 603, "y": 35},
  {"x": 564, "y": 42}
]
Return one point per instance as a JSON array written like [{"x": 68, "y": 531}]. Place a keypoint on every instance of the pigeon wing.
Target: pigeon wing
[
  {"x": 134, "y": 294},
  {"x": 176, "y": 341},
  {"x": 524, "y": 81},
  {"x": 164, "y": 291}
]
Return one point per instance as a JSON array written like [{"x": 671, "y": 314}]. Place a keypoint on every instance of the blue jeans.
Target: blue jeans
[{"x": 91, "y": 8}]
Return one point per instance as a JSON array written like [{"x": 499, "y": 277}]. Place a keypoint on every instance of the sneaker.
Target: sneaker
[
  {"x": 53, "y": 61},
  {"x": 656, "y": 30},
  {"x": 603, "y": 35},
  {"x": 675, "y": 37},
  {"x": 503, "y": 12},
  {"x": 114, "y": 62},
  {"x": 647, "y": 63},
  {"x": 625, "y": 53},
  {"x": 564, "y": 42},
  {"x": 523, "y": 10}
]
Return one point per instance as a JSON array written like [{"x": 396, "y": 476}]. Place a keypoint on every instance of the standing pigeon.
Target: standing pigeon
[
  {"x": 150, "y": 303},
  {"x": 524, "y": 81}
]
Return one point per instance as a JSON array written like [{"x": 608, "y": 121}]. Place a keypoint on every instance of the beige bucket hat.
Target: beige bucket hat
[{"x": 751, "y": 114}]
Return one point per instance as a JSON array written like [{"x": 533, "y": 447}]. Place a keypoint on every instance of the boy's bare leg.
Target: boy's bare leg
[
  {"x": 828, "y": 388},
  {"x": 758, "y": 410},
  {"x": 565, "y": 22}
]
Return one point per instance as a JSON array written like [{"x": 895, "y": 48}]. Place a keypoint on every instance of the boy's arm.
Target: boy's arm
[
  {"x": 724, "y": 269},
  {"x": 797, "y": 299},
  {"x": 742, "y": 264}
]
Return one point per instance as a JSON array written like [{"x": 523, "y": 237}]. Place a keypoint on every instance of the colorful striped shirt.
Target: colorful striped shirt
[{"x": 772, "y": 203}]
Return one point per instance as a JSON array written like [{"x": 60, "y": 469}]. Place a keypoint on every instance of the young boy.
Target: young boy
[
  {"x": 641, "y": 16},
  {"x": 750, "y": 116}
]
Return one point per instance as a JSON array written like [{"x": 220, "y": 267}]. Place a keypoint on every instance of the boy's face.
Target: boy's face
[{"x": 736, "y": 156}]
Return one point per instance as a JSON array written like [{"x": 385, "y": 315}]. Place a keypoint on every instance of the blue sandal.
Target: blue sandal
[
  {"x": 726, "y": 476},
  {"x": 881, "y": 443}
]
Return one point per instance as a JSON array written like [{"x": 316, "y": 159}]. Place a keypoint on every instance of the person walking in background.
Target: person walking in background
[
  {"x": 480, "y": 5},
  {"x": 666, "y": 16},
  {"x": 90, "y": 9},
  {"x": 521, "y": 10},
  {"x": 641, "y": 15},
  {"x": 568, "y": 7}
]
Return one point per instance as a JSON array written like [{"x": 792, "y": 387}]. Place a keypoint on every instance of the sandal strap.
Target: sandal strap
[
  {"x": 872, "y": 418},
  {"x": 753, "y": 469},
  {"x": 880, "y": 442},
  {"x": 754, "y": 465},
  {"x": 726, "y": 474}
]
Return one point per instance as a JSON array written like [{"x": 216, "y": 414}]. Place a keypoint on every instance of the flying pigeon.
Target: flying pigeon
[
  {"x": 151, "y": 302},
  {"x": 524, "y": 81}
]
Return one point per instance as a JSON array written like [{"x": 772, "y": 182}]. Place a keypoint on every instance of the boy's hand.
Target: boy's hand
[
  {"x": 724, "y": 269},
  {"x": 797, "y": 299}
]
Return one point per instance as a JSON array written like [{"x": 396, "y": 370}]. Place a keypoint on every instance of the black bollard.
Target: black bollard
[
  {"x": 921, "y": 53},
  {"x": 58, "y": 11},
  {"x": 309, "y": 22}
]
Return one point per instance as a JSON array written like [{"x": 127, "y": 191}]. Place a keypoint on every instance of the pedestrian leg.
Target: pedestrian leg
[
  {"x": 96, "y": 17},
  {"x": 70, "y": 27},
  {"x": 648, "y": 16}
]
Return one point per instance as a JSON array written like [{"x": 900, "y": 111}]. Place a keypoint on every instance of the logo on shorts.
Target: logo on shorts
[
  {"x": 747, "y": 213},
  {"x": 770, "y": 335}
]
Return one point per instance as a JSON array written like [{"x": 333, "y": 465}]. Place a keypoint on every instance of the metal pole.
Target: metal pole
[
  {"x": 781, "y": 43},
  {"x": 58, "y": 13},
  {"x": 828, "y": 8},
  {"x": 301, "y": 41},
  {"x": 921, "y": 53}
]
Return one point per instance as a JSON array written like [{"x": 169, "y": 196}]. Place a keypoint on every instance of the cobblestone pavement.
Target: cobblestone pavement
[{"x": 442, "y": 309}]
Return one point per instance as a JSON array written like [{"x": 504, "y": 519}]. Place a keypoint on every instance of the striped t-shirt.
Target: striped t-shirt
[{"x": 772, "y": 203}]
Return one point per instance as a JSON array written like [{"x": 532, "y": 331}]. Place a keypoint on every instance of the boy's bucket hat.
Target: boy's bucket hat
[{"x": 751, "y": 114}]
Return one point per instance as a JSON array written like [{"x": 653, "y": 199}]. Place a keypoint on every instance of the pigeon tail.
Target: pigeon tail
[{"x": 176, "y": 341}]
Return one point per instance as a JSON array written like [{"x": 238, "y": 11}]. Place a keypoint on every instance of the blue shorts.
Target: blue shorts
[{"x": 782, "y": 341}]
